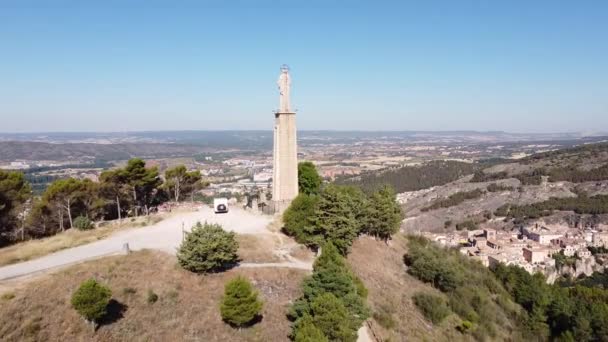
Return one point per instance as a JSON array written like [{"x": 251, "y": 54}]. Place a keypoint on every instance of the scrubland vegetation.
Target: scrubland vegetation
[
  {"x": 485, "y": 299},
  {"x": 412, "y": 178},
  {"x": 470, "y": 289},
  {"x": 455, "y": 199},
  {"x": 581, "y": 204}
]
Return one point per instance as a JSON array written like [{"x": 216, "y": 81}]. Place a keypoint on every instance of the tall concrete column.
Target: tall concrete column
[
  {"x": 285, "y": 169},
  {"x": 285, "y": 152}
]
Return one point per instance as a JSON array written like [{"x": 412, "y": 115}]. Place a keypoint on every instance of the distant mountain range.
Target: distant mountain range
[
  {"x": 163, "y": 144},
  {"x": 264, "y": 138}
]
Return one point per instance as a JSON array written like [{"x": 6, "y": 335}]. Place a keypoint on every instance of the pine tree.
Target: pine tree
[
  {"x": 240, "y": 304},
  {"x": 335, "y": 218},
  {"x": 309, "y": 181},
  {"x": 332, "y": 318},
  {"x": 91, "y": 300},
  {"x": 208, "y": 248},
  {"x": 332, "y": 275},
  {"x": 383, "y": 215},
  {"x": 306, "y": 331}
]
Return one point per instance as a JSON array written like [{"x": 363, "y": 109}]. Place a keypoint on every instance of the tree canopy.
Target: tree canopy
[
  {"x": 14, "y": 193},
  {"x": 91, "y": 300},
  {"x": 240, "y": 304},
  {"x": 208, "y": 248},
  {"x": 181, "y": 183},
  {"x": 333, "y": 300},
  {"x": 309, "y": 180}
]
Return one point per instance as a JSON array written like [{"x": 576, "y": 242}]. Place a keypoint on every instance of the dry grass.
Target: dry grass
[
  {"x": 396, "y": 318},
  {"x": 187, "y": 308},
  {"x": 256, "y": 248},
  {"x": 70, "y": 238}
]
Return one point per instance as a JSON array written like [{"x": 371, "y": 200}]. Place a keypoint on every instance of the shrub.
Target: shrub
[
  {"x": 240, "y": 304},
  {"x": 83, "y": 223},
  {"x": 128, "y": 291},
  {"x": 152, "y": 297},
  {"x": 384, "y": 317},
  {"x": 495, "y": 187},
  {"x": 433, "y": 307},
  {"x": 465, "y": 327},
  {"x": 468, "y": 225},
  {"x": 208, "y": 248},
  {"x": 7, "y": 296},
  {"x": 91, "y": 300},
  {"x": 306, "y": 331},
  {"x": 454, "y": 199}
]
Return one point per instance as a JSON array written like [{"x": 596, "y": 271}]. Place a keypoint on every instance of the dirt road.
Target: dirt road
[{"x": 165, "y": 236}]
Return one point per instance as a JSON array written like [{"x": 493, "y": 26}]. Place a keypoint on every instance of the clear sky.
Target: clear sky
[{"x": 519, "y": 66}]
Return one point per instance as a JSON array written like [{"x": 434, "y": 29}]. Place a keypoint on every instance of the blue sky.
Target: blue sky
[{"x": 519, "y": 66}]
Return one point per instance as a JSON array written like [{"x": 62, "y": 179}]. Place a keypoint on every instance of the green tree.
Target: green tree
[
  {"x": 113, "y": 188},
  {"x": 15, "y": 191},
  {"x": 91, "y": 300},
  {"x": 309, "y": 181},
  {"x": 296, "y": 220},
  {"x": 240, "y": 304},
  {"x": 143, "y": 183},
  {"x": 83, "y": 223},
  {"x": 208, "y": 248},
  {"x": 181, "y": 183},
  {"x": 62, "y": 195},
  {"x": 332, "y": 318},
  {"x": 332, "y": 275},
  {"x": 383, "y": 217},
  {"x": 306, "y": 331},
  {"x": 335, "y": 219}
]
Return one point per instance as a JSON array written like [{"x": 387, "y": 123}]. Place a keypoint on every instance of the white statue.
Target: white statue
[{"x": 284, "y": 83}]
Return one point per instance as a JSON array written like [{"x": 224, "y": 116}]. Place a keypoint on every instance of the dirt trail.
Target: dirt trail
[{"x": 165, "y": 236}]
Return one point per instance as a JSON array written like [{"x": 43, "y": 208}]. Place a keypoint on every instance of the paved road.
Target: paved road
[{"x": 165, "y": 236}]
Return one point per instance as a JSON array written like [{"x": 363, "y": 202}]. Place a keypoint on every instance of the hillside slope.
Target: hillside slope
[
  {"x": 187, "y": 308},
  {"x": 572, "y": 173},
  {"x": 391, "y": 288}
]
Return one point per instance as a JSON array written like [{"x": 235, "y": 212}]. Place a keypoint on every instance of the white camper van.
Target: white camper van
[{"x": 220, "y": 205}]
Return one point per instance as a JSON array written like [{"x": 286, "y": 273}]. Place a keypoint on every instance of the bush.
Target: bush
[
  {"x": 91, "y": 300},
  {"x": 495, "y": 187},
  {"x": 306, "y": 331},
  {"x": 465, "y": 327},
  {"x": 433, "y": 307},
  {"x": 454, "y": 199},
  {"x": 83, "y": 223},
  {"x": 240, "y": 304},
  {"x": 208, "y": 248},
  {"x": 128, "y": 291},
  {"x": 384, "y": 317},
  {"x": 152, "y": 297}
]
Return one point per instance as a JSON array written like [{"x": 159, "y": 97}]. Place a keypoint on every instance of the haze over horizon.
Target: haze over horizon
[{"x": 156, "y": 66}]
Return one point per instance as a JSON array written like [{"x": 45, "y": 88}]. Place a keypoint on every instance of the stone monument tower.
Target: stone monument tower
[{"x": 285, "y": 152}]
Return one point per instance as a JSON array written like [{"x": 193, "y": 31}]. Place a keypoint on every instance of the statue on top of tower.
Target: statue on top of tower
[{"x": 284, "y": 84}]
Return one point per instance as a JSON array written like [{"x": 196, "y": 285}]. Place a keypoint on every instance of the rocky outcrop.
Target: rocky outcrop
[{"x": 585, "y": 267}]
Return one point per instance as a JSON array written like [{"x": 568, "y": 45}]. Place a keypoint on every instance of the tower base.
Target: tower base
[{"x": 278, "y": 207}]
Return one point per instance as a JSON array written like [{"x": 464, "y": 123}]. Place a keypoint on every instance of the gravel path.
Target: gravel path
[
  {"x": 165, "y": 236},
  {"x": 363, "y": 334}
]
